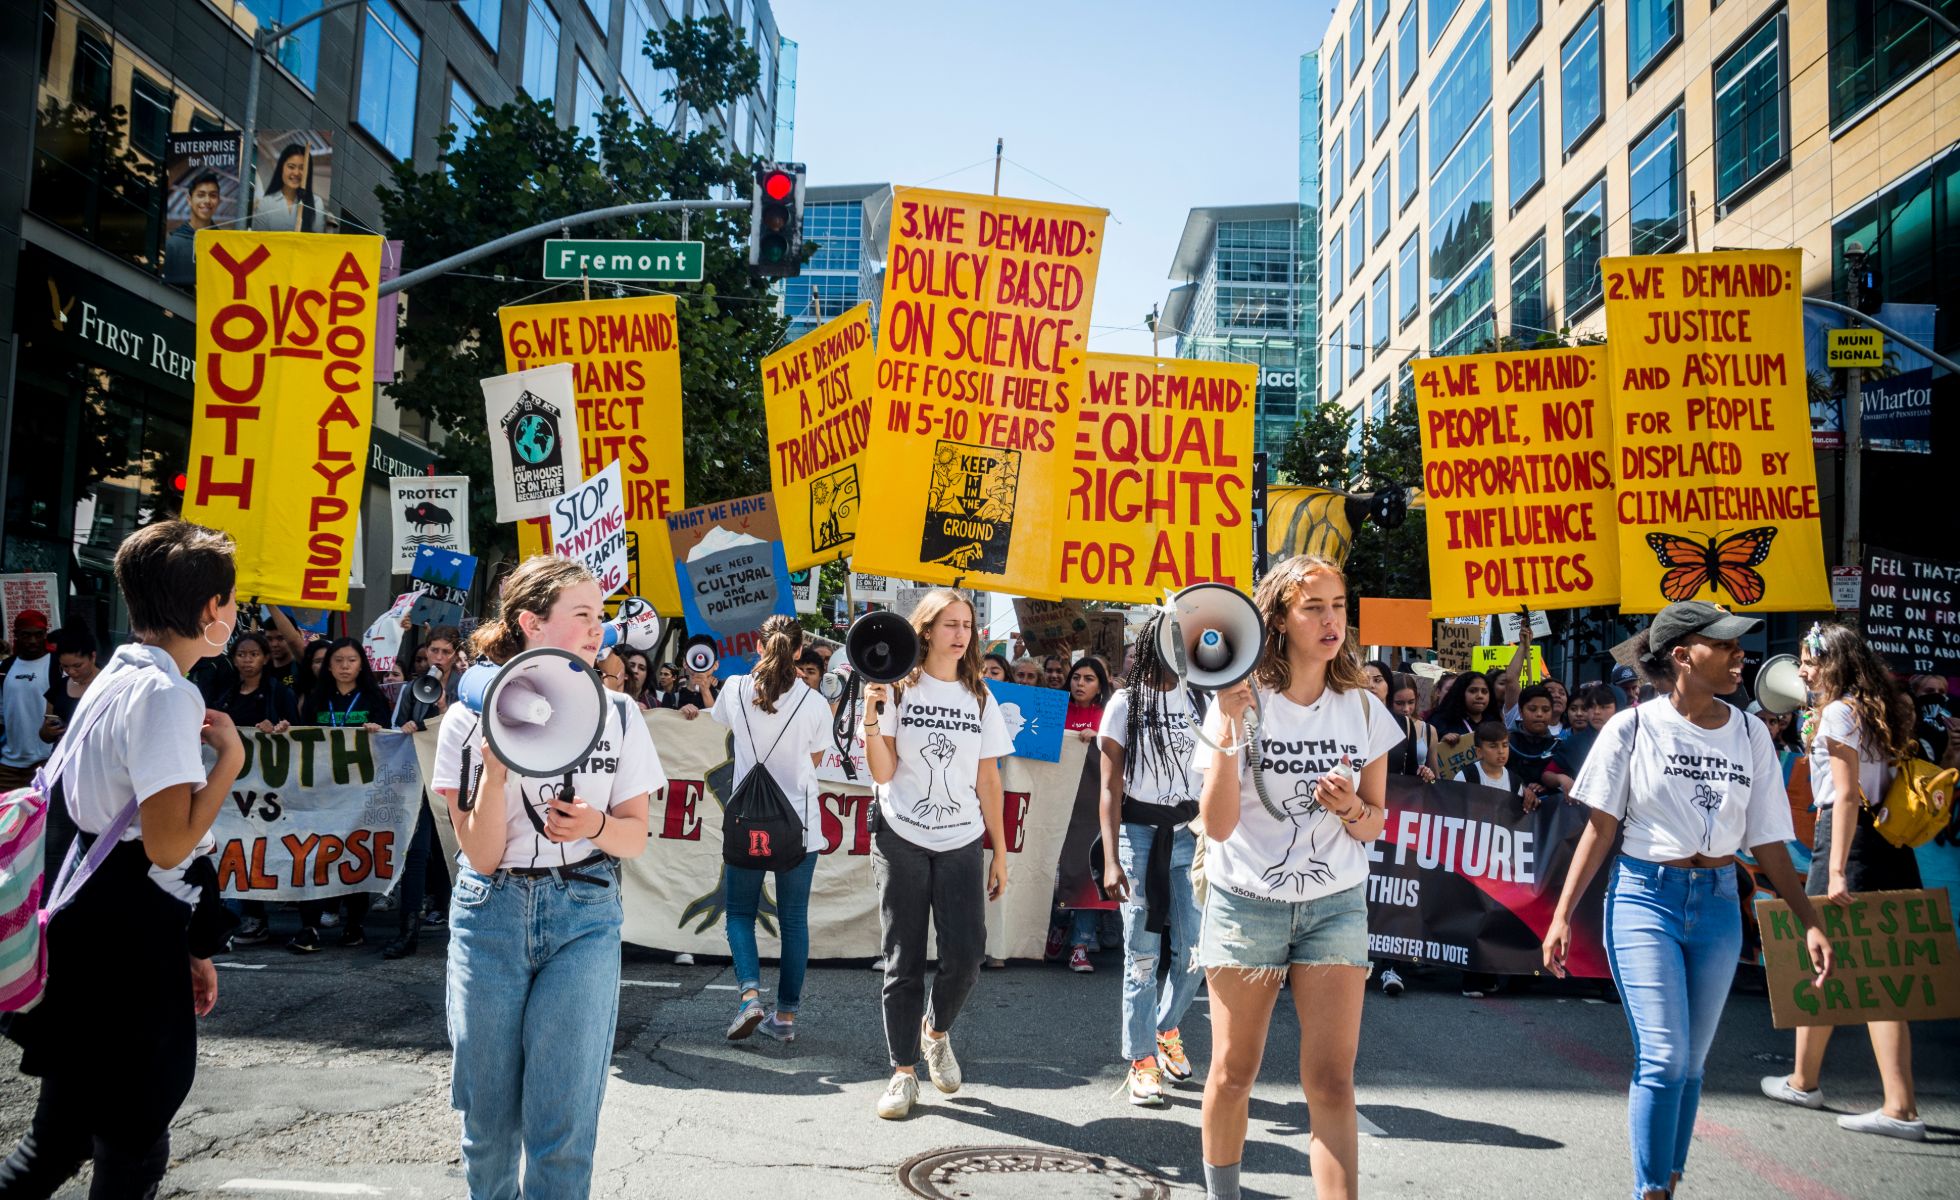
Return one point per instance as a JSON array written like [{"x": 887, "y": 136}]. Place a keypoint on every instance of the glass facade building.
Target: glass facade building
[{"x": 834, "y": 278}]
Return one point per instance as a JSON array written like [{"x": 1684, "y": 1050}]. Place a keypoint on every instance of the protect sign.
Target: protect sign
[
  {"x": 285, "y": 389},
  {"x": 1160, "y": 479},
  {"x": 626, "y": 373},
  {"x": 428, "y": 510},
  {"x": 981, "y": 363},
  {"x": 816, "y": 394},
  {"x": 1517, "y": 474},
  {"x": 1711, "y": 431}
]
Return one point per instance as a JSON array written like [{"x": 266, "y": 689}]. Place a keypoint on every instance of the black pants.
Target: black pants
[
  {"x": 423, "y": 870},
  {"x": 948, "y": 887},
  {"x": 354, "y": 906},
  {"x": 129, "y": 1157}
]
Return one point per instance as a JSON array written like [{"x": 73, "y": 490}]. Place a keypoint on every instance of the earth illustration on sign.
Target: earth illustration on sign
[{"x": 535, "y": 438}]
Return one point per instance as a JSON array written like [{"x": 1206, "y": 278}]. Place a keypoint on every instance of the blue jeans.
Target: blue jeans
[
  {"x": 1148, "y": 1007},
  {"x": 533, "y": 1002},
  {"x": 742, "y": 897},
  {"x": 1672, "y": 936}
]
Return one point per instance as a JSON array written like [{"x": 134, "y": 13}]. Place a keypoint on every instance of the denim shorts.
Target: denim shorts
[{"x": 1255, "y": 934}]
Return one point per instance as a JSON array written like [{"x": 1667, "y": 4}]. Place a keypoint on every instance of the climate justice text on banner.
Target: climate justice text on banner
[
  {"x": 428, "y": 510},
  {"x": 1717, "y": 485},
  {"x": 318, "y": 812},
  {"x": 1518, "y": 478},
  {"x": 981, "y": 362},
  {"x": 285, "y": 390},
  {"x": 729, "y": 560},
  {"x": 816, "y": 394},
  {"x": 1895, "y": 960},
  {"x": 588, "y": 525},
  {"x": 1909, "y": 609},
  {"x": 626, "y": 364},
  {"x": 1160, "y": 479}
]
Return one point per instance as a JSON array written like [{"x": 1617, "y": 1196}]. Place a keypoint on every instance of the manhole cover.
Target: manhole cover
[{"x": 987, "y": 1172}]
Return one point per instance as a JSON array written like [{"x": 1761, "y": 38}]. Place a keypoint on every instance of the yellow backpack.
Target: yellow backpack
[{"x": 1918, "y": 802}]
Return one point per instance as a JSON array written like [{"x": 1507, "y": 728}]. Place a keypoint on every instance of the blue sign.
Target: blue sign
[
  {"x": 1035, "y": 718},
  {"x": 444, "y": 568},
  {"x": 729, "y": 593},
  {"x": 1898, "y": 397}
]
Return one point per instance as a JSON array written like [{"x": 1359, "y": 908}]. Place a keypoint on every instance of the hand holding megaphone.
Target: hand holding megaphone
[{"x": 875, "y": 694}]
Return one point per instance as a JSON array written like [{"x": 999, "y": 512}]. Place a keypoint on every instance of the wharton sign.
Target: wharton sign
[{"x": 609, "y": 258}]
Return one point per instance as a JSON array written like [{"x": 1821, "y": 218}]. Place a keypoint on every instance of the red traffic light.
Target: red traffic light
[{"x": 778, "y": 185}]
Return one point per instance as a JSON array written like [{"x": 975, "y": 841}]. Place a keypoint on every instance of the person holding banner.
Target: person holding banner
[
  {"x": 255, "y": 700},
  {"x": 1864, "y": 721},
  {"x": 347, "y": 696},
  {"x": 534, "y": 918},
  {"x": 1286, "y": 867},
  {"x": 934, "y": 750},
  {"x": 421, "y": 866},
  {"x": 1455, "y": 722},
  {"x": 1687, "y": 780}
]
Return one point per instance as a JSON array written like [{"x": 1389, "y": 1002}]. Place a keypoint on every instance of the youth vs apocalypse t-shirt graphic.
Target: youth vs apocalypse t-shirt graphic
[
  {"x": 970, "y": 511},
  {"x": 833, "y": 498},
  {"x": 532, "y": 428},
  {"x": 1307, "y": 856}
]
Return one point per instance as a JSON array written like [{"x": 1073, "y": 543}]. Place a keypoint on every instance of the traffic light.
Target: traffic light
[
  {"x": 1871, "y": 288},
  {"x": 776, "y": 221}
]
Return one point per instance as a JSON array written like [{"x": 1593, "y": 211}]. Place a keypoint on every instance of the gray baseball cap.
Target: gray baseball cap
[{"x": 1686, "y": 618}]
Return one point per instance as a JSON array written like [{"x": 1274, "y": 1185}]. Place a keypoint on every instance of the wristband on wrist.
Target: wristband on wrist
[{"x": 602, "y": 825}]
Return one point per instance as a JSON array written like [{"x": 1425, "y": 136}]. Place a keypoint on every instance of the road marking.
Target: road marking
[
  {"x": 647, "y": 983},
  {"x": 305, "y": 1187},
  {"x": 720, "y": 987},
  {"x": 232, "y": 966}
]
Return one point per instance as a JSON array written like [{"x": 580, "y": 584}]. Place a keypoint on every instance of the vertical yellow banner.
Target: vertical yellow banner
[
  {"x": 626, "y": 363},
  {"x": 1517, "y": 480},
  {"x": 284, "y": 405},
  {"x": 1711, "y": 421},
  {"x": 816, "y": 395},
  {"x": 1160, "y": 490},
  {"x": 981, "y": 363}
]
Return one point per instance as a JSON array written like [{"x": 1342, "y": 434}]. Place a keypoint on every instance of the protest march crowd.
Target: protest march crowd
[{"x": 1264, "y": 813}]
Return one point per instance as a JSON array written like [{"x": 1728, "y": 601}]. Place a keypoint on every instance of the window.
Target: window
[
  {"x": 1336, "y": 84},
  {"x": 589, "y": 97},
  {"x": 1521, "y": 22},
  {"x": 1357, "y": 39},
  {"x": 1378, "y": 403},
  {"x": 596, "y": 9},
  {"x": 1336, "y": 172},
  {"x": 1752, "y": 111},
  {"x": 641, "y": 81},
  {"x": 1466, "y": 317},
  {"x": 299, "y": 51},
  {"x": 1912, "y": 230},
  {"x": 486, "y": 15},
  {"x": 1582, "y": 82},
  {"x": 149, "y": 113},
  {"x": 1526, "y": 157},
  {"x": 1440, "y": 12},
  {"x": 1461, "y": 91},
  {"x": 462, "y": 111},
  {"x": 1378, "y": 311},
  {"x": 1379, "y": 13},
  {"x": 1335, "y": 277},
  {"x": 1460, "y": 204},
  {"x": 1378, "y": 98},
  {"x": 1408, "y": 160},
  {"x": 1653, "y": 26},
  {"x": 1656, "y": 189},
  {"x": 1528, "y": 316},
  {"x": 1357, "y": 245},
  {"x": 1408, "y": 276},
  {"x": 390, "y": 50},
  {"x": 1357, "y": 341},
  {"x": 540, "y": 51},
  {"x": 1874, "y": 44},
  {"x": 1335, "y": 376},
  {"x": 1585, "y": 245},
  {"x": 1378, "y": 205},
  {"x": 1358, "y": 133},
  {"x": 1408, "y": 47}
]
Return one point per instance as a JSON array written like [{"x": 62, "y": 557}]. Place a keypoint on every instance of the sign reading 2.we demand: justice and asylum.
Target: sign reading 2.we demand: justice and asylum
[
  {"x": 816, "y": 394},
  {"x": 285, "y": 393},
  {"x": 1518, "y": 478},
  {"x": 1161, "y": 479},
  {"x": 1711, "y": 423},
  {"x": 981, "y": 362}
]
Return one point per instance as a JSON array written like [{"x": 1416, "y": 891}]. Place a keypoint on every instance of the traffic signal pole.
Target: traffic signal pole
[{"x": 1854, "y": 423}]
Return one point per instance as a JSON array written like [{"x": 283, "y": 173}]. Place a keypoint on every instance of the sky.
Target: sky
[{"x": 1147, "y": 109}]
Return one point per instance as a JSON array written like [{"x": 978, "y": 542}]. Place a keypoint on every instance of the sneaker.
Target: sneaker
[
  {"x": 1473, "y": 994},
  {"x": 683, "y": 960},
  {"x": 251, "y": 932},
  {"x": 306, "y": 941},
  {"x": 940, "y": 1063},
  {"x": 749, "y": 1016},
  {"x": 1391, "y": 982},
  {"x": 996, "y": 964},
  {"x": 330, "y": 919},
  {"x": 1170, "y": 1056},
  {"x": 352, "y": 936},
  {"x": 436, "y": 916},
  {"x": 1078, "y": 961},
  {"x": 1146, "y": 1084},
  {"x": 878, "y": 963},
  {"x": 900, "y": 1095},
  {"x": 774, "y": 1026},
  {"x": 1778, "y": 1087},
  {"x": 1877, "y": 1122},
  {"x": 1057, "y": 942}
]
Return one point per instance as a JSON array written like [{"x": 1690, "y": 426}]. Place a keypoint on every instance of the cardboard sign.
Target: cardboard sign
[
  {"x": 905, "y": 599},
  {"x": 1896, "y": 960},
  {"x": 1454, "y": 645},
  {"x": 729, "y": 559},
  {"x": 1105, "y": 637},
  {"x": 284, "y": 404},
  {"x": 1386, "y": 622},
  {"x": 816, "y": 395},
  {"x": 1036, "y": 718},
  {"x": 1051, "y": 626},
  {"x": 1910, "y": 611},
  {"x": 532, "y": 417},
  {"x": 1717, "y": 493},
  {"x": 1492, "y": 658},
  {"x": 1511, "y": 628},
  {"x": 36, "y": 592},
  {"x": 428, "y": 511},
  {"x": 588, "y": 525}
]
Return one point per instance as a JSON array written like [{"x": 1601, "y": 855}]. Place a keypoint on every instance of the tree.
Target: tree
[
  {"x": 1316, "y": 455},
  {"x": 517, "y": 168},
  {"x": 1391, "y": 562}
]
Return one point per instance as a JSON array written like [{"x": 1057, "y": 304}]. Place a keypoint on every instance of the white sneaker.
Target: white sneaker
[
  {"x": 900, "y": 1095},
  {"x": 683, "y": 959},
  {"x": 1391, "y": 982},
  {"x": 944, "y": 1068},
  {"x": 1778, "y": 1087},
  {"x": 878, "y": 964},
  {"x": 1877, "y": 1122},
  {"x": 330, "y": 919}
]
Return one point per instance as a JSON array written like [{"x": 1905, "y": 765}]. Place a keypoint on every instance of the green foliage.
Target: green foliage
[
  {"x": 1316, "y": 454},
  {"x": 1391, "y": 562}
]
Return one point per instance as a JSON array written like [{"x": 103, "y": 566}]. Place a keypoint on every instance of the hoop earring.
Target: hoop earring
[{"x": 222, "y": 642}]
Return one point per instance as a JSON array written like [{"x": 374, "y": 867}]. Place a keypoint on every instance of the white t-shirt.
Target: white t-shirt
[
  {"x": 942, "y": 733},
  {"x": 23, "y": 704},
  {"x": 1307, "y": 853},
  {"x": 1682, "y": 790},
  {"x": 786, "y": 739},
  {"x": 1149, "y": 778},
  {"x": 146, "y": 741},
  {"x": 623, "y": 764},
  {"x": 1839, "y": 723},
  {"x": 1475, "y": 773}
]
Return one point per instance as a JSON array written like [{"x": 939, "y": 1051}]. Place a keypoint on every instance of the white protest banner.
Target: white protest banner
[
  {"x": 803, "y": 586},
  {"x": 1510, "y": 625},
  {"x": 588, "y": 523},
  {"x": 874, "y": 589},
  {"x": 317, "y": 813},
  {"x": 383, "y": 639},
  {"x": 38, "y": 592},
  {"x": 533, "y": 433},
  {"x": 428, "y": 511}
]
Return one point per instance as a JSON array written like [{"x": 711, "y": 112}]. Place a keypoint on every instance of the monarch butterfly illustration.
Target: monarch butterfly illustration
[{"x": 1721, "y": 563}]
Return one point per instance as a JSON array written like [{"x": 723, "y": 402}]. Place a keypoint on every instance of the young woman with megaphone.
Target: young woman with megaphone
[
  {"x": 1288, "y": 819},
  {"x": 535, "y": 913}
]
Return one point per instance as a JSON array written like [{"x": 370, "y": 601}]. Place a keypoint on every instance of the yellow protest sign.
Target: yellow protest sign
[
  {"x": 626, "y": 364},
  {"x": 1160, "y": 480},
  {"x": 1496, "y": 658},
  {"x": 285, "y": 397},
  {"x": 1711, "y": 428},
  {"x": 1517, "y": 476},
  {"x": 816, "y": 395},
  {"x": 981, "y": 362}
]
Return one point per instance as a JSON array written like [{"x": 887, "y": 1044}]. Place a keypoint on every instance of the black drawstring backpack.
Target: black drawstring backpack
[{"x": 760, "y": 829}]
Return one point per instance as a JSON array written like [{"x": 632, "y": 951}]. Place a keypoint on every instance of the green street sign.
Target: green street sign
[{"x": 659, "y": 262}]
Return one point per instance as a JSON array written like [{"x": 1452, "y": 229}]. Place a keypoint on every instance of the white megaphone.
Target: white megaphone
[
  {"x": 427, "y": 688},
  {"x": 700, "y": 657},
  {"x": 830, "y": 686},
  {"x": 636, "y": 626},
  {"x": 1212, "y": 635},
  {"x": 1779, "y": 689},
  {"x": 542, "y": 711}
]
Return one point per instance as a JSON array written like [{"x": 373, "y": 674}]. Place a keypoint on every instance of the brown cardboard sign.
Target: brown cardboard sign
[
  {"x": 1455, "y": 644},
  {"x": 1896, "y": 960},
  {"x": 1051, "y": 626}
]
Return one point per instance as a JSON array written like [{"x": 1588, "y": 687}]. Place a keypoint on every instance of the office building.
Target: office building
[
  {"x": 1308, "y": 251},
  {"x": 837, "y": 275}
]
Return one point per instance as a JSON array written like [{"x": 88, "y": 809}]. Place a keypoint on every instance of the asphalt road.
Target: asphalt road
[{"x": 327, "y": 1076}]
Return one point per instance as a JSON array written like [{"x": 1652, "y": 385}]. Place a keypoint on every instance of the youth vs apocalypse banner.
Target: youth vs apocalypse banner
[
  {"x": 816, "y": 394},
  {"x": 284, "y": 399}
]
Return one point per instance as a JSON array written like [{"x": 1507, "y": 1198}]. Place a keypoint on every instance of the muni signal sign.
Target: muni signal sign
[{"x": 658, "y": 262}]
